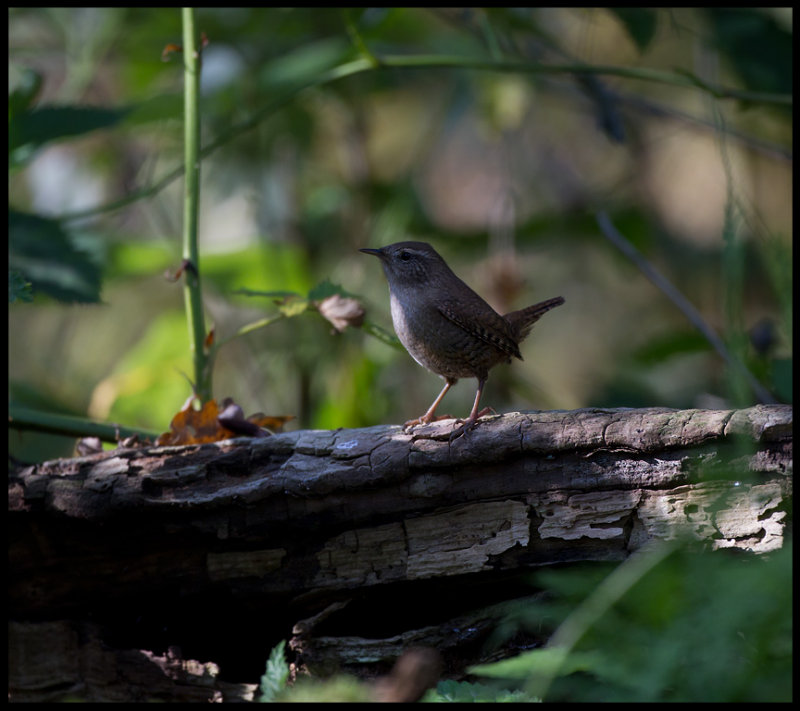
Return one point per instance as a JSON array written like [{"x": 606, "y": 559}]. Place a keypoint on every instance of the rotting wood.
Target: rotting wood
[
  {"x": 297, "y": 520},
  {"x": 67, "y": 660}
]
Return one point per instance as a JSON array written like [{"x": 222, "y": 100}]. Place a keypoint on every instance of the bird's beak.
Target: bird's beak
[{"x": 377, "y": 252}]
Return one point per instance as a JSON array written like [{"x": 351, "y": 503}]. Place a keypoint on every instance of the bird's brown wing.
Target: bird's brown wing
[{"x": 482, "y": 321}]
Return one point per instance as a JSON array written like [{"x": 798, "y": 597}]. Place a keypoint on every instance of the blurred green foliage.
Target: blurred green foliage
[
  {"x": 276, "y": 674},
  {"x": 29, "y": 130},
  {"x": 318, "y": 141},
  {"x": 699, "y": 626},
  {"x": 18, "y": 287},
  {"x": 640, "y": 22},
  {"x": 693, "y": 625},
  {"x": 758, "y": 47},
  {"x": 275, "y": 689},
  {"x": 52, "y": 259},
  {"x": 465, "y": 692}
]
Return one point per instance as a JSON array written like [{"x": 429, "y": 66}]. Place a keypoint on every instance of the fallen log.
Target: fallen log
[{"x": 218, "y": 551}]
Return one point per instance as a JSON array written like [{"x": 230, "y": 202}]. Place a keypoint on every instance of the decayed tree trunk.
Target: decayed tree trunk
[{"x": 126, "y": 566}]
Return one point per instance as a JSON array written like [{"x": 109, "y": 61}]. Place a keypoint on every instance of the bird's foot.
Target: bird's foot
[
  {"x": 422, "y": 420},
  {"x": 469, "y": 424},
  {"x": 466, "y": 427}
]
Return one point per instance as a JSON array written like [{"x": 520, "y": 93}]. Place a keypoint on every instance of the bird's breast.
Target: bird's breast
[
  {"x": 411, "y": 327},
  {"x": 439, "y": 344}
]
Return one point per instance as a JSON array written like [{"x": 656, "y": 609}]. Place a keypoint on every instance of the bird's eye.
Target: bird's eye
[{"x": 404, "y": 255}]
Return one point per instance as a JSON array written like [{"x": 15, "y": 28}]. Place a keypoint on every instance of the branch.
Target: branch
[
  {"x": 400, "y": 62},
  {"x": 616, "y": 238}
]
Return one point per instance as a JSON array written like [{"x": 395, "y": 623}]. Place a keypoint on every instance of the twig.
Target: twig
[
  {"x": 368, "y": 63},
  {"x": 28, "y": 418},
  {"x": 695, "y": 318}
]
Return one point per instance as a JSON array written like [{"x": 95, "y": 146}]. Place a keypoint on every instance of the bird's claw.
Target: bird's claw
[
  {"x": 466, "y": 427},
  {"x": 424, "y": 421}
]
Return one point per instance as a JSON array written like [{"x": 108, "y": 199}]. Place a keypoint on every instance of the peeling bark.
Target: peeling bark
[{"x": 294, "y": 522}]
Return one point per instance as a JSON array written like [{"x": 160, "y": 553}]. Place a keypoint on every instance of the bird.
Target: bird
[{"x": 446, "y": 326}]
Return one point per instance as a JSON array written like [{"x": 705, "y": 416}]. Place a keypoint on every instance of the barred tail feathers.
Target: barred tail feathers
[{"x": 522, "y": 321}]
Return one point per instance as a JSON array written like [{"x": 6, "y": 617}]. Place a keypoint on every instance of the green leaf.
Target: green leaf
[
  {"x": 134, "y": 259},
  {"x": 686, "y": 625},
  {"x": 31, "y": 129},
  {"x": 756, "y": 46},
  {"x": 271, "y": 265},
  {"x": 276, "y": 673},
  {"x": 549, "y": 661},
  {"x": 157, "y": 108},
  {"x": 48, "y": 256},
  {"x": 293, "y": 306},
  {"x": 277, "y": 294},
  {"x": 450, "y": 691},
  {"x": 295, "y": 68},
  {"x": 341, "y": 688},
  {"x": 640, "y": 22},
  {"x": 325, "y": 289},
  {"x": 22, "y": 95},
  {"x": 662, "y": 349},
  {"x": 147, "y": 379},
  {"x": 19, "y": 289},
  {"x": 782, "y": 378}
]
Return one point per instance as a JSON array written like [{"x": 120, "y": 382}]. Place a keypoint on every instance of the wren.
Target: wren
[{"x": 446, "y": 327}]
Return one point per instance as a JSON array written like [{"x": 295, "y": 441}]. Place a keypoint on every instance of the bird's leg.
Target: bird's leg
[
  {"x": 469, "y": 424},
  {"x": 428, "y": 416}
]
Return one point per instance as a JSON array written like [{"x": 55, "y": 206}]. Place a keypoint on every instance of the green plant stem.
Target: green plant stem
[
  {"x": 193, "y": 295},
  {"x": 250, "y": 327},
  {"x": 27, "y": 418},
  {"x": 357, "y": 39},
  {"x": 604, "y": 596}
]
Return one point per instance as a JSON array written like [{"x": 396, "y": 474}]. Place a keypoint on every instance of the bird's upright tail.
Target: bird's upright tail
[{"x": 522, "y": 321}]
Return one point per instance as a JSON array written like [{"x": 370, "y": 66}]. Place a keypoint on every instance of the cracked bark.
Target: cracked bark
[{"x": 153, "y": 548}]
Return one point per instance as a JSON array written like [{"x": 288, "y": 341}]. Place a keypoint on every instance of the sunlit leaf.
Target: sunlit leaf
[
  {"x": 293, "y": 306},
  {"x": 190, "y": 426},
  {"x": 146, "y": 380},
  {"x": 273, "y": 423},
  {"x": 212, "y": 423}
]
